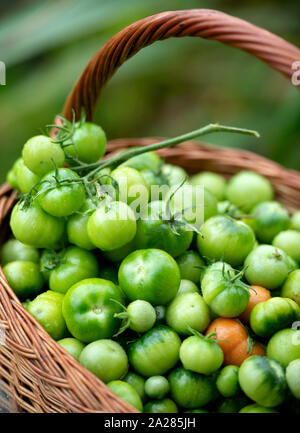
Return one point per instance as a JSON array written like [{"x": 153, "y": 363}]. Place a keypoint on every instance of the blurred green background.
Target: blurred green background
[{"x": 169, "y": 88}]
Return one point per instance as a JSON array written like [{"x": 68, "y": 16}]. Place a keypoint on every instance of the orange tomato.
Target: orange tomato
[
  {"x": 232, "y": 337},
  {"x": 261, "y": 295}
]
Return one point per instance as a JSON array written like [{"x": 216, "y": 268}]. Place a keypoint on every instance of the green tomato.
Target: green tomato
[
  {"x": 270, "y": 316},
  {"x": 284, "y": 346},
  {"x": 24, "y": 278},
  {"x": 62, "y": 199},
  {"x": 190, "y": 266},
  {"x": 25, "y": 177},
  {"x": 88, "y": 142},
  {"x": 109, "y": 273},
  {"x": 73, "y": 346},
  {"x": 295, "y": 221},
  {"x": 263, "y": 380},
  {"x": 187, "y": 311},
  {"x": 267, "y": 266},
  {"x": 187, "y": 286},
  {"x": 155, "y": 232},
  {"x": 77, "y": 226},
  {"x": 155, "y": 352},
  {"x": 127, "y": 393},
  {"x": 75, "y": 264},
  {"x": 131, "y": 184},
  {"x": 46, "y": 308},
  {"x": 161, "y": 406},
  {"x": 227, "y": 239},
  {"x": 289, "y": 242},
  {"x": 256, "y": 408},
  {"x": 151, "y": 275},
  {"x": 147, "y": 160},
  {"x": 40, "y": 153},
  {"x": 106, "y": 359},
  {"x": 138, "y": 383},
  {"x": 89, "y": 309},
  {"x": 205, "y": 204},
  {"x": 201, "y": 354},
  {"x": 141, "y": 316},
  {"x": 228, "y": 381},
  {"x": 13, "y": 250},
  {"x": 33, "y": 226},
  {"x": 173, "y": 174},
  {"x": 191, "y": 390},
  {"x": 269, "y": 218},
  {"x": 157, "y": 387},
  {"x": 119, "y": 254},
  {"x": 246, "y": 189},
  {"x": 213, "y": 182},
  {"x": 111, "y": 226},
  {"x": 293, "y": 377},
  {"x": 226, "y": 296},
  {"x": 291, "y": 287}
]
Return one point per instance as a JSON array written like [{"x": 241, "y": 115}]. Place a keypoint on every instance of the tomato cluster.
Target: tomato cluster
[{"x": 173, "y": 315}]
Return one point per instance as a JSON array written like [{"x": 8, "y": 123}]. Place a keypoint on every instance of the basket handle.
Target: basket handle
[{"x": 205, "y": 23}]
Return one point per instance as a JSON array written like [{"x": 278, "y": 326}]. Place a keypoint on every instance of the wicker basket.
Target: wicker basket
[{"x": 40, "y": 375}]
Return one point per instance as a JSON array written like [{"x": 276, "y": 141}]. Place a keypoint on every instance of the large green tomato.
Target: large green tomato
[
  {"x": 246, "y": 189},
  {"x": 106, "y": 359},
  {"x": 284, "y": 346},
  {"x": 227, "y": 239},
  {"x": 270, "y": 316},
  {"x": 226, "y": 296},
  {"x": 131, "y": 184},
  {"x": 155, "y": 352},
  {"x": 63, "y": 199},
  {"x": 88, "y": 142},
  {"x": 25, "y": 177},
  {"x": 213, "y": 182},
  {"x": 263, "y": 380},
  {"x": 191, "y": 390},
  {"x": 13, "y": 250},
  {"x": 89, "y": 309},
  {"x": 267, "y": 266},
  {"x": 75, "y": 264},
  {"x": 33, "y": 226},
  {"x": 73, "y": 346},
  {"x": 187, "y": 311},
  {"x": 127, "y": 393},
  {"x": 155, "y": 232},
  {"x": 289, "y": 242},
  {"x": 151, "y": 275},
  {"x": 46, "y": 308},
  {"x": 269, "y": 218},
  {"x": 190, "y": 265},
  {"x": 291, "y": 287},
  {"x": 77, "y": 226},
  {"x": 40, "y": 153},
  {"x": 111, "y": 226},
  {"x": 293, "y": 377},
  {"x": 24, "y": 278},
  {"x": 201, "y": 354}
]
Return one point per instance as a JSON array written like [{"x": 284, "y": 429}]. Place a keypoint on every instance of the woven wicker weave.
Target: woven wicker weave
[{"x": 40, "y": 375}]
